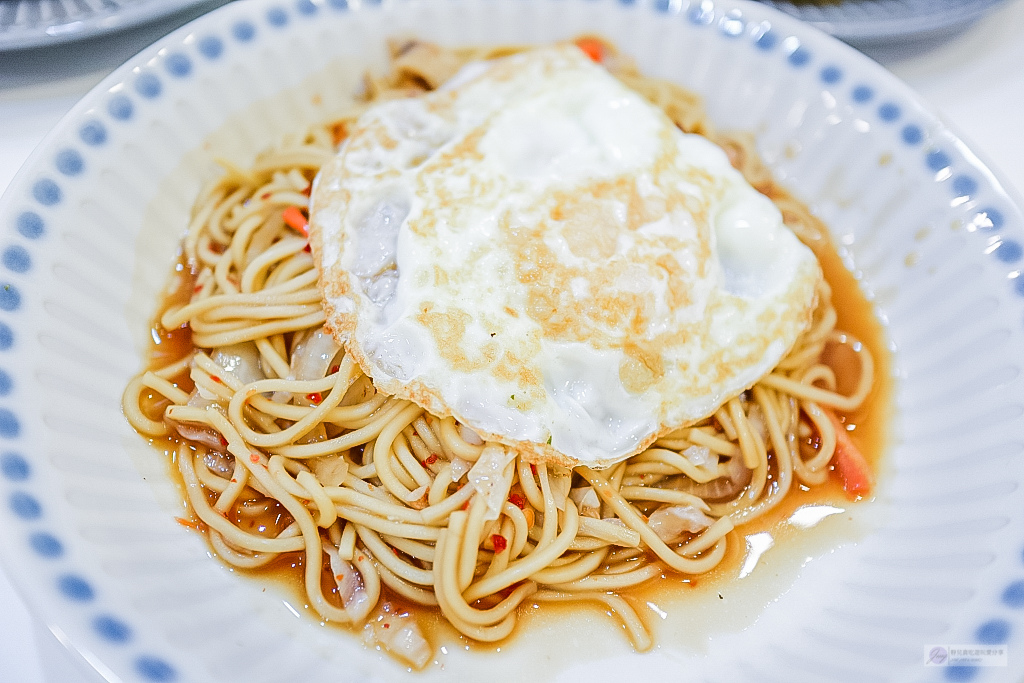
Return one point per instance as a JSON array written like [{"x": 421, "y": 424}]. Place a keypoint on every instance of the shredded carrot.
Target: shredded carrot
[
  {"x": 850, "y": 464},
  {"x": 295, "y": 219},
  {"x": 593, "y": 48},
  {"x": 196, "y": 524},
  {"x": 339, "y": 131}
]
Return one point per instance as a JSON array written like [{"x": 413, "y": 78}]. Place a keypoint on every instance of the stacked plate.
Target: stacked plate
[
  {"x": 872, "y": 22},
  {"x": 39, "y": 23}
]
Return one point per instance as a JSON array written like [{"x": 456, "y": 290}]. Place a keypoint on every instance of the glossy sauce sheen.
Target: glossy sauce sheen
[{"x": 869, "y": 432}]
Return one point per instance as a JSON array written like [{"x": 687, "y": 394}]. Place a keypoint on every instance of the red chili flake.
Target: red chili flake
[
  {"x": 395, "y": 551},
  {"x": 499, "y": 542},
  {"x": 334, "y": 369},
  {"x": 216, "y": 379},
  {"x": 339, "y": 577},
  {"x": 386, "y": 625},
  {"x": 533, "y": 468},
  {"x": 223, "y": 442},
  {"x": 307, "y": 248},
  {"x": 197, "y": 289},
  {"x": 431, "y": 460},
  {"x": 518, "y": 501},
  {"x": 265, "y": 196},
  {"x": 465, "y": 506},
  {"x": 233, "y": 480},
  {"x": 361, "y": 558},
  {"x": 315, "y": 397},
  {"x": 308, "y": 190},
  {"x": 254, "y": 458}
]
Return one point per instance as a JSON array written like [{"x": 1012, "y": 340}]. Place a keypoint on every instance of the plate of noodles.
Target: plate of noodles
[{"x": 512, "y": 338}]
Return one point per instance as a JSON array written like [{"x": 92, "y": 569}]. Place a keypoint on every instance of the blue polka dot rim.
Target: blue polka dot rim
[
  {"x": 75, "y": 588},
  {"x": 112, "y": 629}
]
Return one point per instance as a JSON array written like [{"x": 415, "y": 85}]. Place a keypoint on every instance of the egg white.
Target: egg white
[{"x": 541, "y": 253}]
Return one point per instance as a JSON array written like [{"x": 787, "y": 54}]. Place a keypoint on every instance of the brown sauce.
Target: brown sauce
[{"x": 673, "y": 592}]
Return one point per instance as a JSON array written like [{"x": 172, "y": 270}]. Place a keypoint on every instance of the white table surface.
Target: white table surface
[{"x": 975, "y": 80}]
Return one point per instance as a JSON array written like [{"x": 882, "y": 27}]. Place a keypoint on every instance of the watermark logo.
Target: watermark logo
[{"x": 965, "y": 655}]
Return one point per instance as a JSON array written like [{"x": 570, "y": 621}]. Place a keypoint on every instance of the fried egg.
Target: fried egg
[{"x": 539, "y": 252}]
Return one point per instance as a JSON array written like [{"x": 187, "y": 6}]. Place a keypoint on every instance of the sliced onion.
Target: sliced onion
[
  {"x": 701, "y": 456},
  {"x": 469, "y": 436},
  {"x": 417, "y": 498},
  {"x": 219, "y": 462},
  {"x": 672, "y": 521},
  {"x": 330, "y": 470},
  {"x": 459, "y": 468},
  {"x": 489, "y": 478},
  {"x": 200, "y": 434},
  {"x": 400, "y": 635},
  {"x": 313, "y": 356},
  {"x": 723, "y": 488},
  {"x": 350, "y": 583},
  {"x": 756, "y": 419},
  {"x": 408, "y": 643},
  {"x": 241, "y": 360},
  {"x": 587, "y": 501},
  {"x": 197, "y": 400},
  {"x": 560, "y": 479}
]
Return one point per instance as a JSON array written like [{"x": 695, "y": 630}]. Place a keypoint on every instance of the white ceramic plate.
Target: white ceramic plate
[
  {"x": 89, "y": 228},
  {"x": 42, "y": 23},
  {"x": 873, "y": 22}
]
